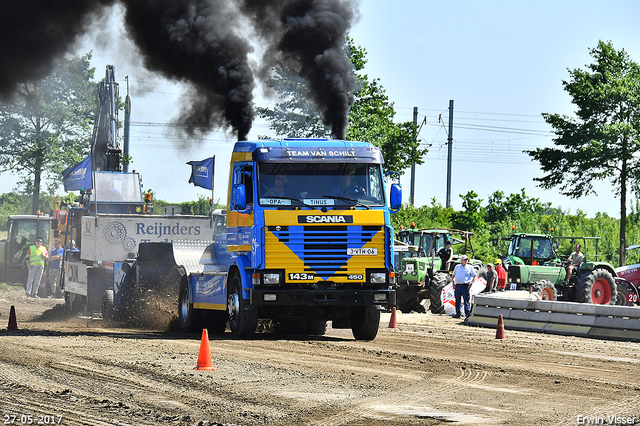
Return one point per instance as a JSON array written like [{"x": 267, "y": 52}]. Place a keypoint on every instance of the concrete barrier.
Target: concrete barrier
[{"x": 568, "y": 318}]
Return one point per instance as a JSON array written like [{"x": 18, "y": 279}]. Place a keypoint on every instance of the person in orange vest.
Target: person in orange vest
[{"x": 36, "y": 256}]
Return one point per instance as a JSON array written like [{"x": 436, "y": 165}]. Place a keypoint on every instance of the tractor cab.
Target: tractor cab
[
  {"x": 22, "y": 231},
  {"x": 531, "y": 249}
]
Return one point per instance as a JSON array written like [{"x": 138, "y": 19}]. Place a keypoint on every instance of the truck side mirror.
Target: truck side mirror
[
  {"x": 240, "y": 197},
  {"x": 395, "y": 198}
]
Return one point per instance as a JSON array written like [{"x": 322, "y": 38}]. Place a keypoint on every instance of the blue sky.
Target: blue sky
[{"x": 501, "y": 62}]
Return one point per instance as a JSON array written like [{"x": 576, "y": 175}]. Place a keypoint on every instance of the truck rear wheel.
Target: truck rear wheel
[
  {"x": 242, "y": 321},
  {"x": 365, "y": 321},
  {"x": 436, "y": 287},
  {"x": 597, "y": 287},
  {"x": 189, "y": 319},
  {"x": 546, "y": 290}
]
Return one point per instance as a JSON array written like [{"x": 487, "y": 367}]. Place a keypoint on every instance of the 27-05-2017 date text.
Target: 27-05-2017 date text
[{"x": 31, "y": 419}]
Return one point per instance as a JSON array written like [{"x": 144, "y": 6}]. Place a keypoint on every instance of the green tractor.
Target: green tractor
[
  {"x": 420, "y": 273},
  {"x": 533, "y": 265}
]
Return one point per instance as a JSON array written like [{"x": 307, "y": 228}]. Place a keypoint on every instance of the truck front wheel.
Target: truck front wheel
[
  {"x": 365, "y": 321},
  {"x": 242, "y": 321},
  {"x": 597, "y": 287}
]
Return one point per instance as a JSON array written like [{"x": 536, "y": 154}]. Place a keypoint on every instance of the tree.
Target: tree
[
  {"x": 46, "y": 127},
  {"x": 472, "y": 217},
  {"x": 370, "y": 118},
  {"x": 602, "y": 141}
]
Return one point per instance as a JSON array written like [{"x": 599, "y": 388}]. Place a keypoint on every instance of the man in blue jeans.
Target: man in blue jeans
[{"x": 463, "y": 276}]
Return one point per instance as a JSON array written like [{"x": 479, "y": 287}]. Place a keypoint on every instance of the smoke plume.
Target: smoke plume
[
  {"x": 34, "y": 33},
  {"x": 198, "y": 42},
  {"x": 308, "y": 36},
  {"x": 194, "y": 42}
]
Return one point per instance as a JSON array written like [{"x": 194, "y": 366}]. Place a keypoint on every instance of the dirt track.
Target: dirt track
[{"x": 431, "y": 370}]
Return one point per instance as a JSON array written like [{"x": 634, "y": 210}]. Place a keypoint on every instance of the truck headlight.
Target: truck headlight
[
  {"x": 378, "y": 278},
  {"x": 270, "y": 279}
]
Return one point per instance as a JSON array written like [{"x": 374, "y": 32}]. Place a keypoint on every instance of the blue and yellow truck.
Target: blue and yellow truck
[{"x": 305, "y": 239}]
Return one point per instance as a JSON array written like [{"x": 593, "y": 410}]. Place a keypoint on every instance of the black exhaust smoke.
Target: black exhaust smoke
[
  {"x": 308, "y": 36},
  {"x": 194, "y": 42},
  {"x": 197, "y": 42},
  {"x": 33, "y": 33}
]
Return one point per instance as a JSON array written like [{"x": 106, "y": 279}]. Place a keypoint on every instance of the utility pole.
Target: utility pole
[
  {"x": 450, "y": 143},
  {"x": 413, "y": 165}
]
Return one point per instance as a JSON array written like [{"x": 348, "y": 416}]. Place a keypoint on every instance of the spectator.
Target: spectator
[
  {"x": 463, "y": 277},
  {"x": 502, "y": 276},
  {"x": 55, "y": 267},
  {"x": 446, "y": 255},
  {"x": 491, "y": 279},
  {"x": 37, "y": 254}
]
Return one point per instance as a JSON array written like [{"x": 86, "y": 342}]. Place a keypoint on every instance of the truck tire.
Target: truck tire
[
  {"x": 438, "y": 284},
  {"x": 365, "y": 321},
  {"x": 189, "y": 319},
  {"x": 597, "y": 287},
  {"x": 546, "y": 290},
  {"x": 108, "y": 313},
  {"x": 242, "y": 321},
  {"x": 317, "y": 328}
]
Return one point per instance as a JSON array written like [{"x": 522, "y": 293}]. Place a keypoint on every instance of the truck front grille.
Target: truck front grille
[{"x": 324, "y": 248}]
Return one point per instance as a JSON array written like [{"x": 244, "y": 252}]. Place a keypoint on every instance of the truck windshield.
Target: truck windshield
[{"x": 318, "y": 184}]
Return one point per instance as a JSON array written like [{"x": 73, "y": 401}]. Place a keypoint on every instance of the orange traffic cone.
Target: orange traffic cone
[
  {"x": 392, "y": 321},
  {"x": 500, "y": 329},
  {"x": 204, "y": 357},
  {"x": 13, "y": 324}
]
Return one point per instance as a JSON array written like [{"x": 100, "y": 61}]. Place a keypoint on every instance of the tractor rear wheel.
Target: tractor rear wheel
[
  {"x": 623, "y": 294},
  {"x": 597, "y": 287},
  {"x": 436, "y": 288},
  {"x": 546, "y": 290}
]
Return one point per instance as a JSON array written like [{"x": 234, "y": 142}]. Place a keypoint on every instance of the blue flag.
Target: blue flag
[
  {"x": 78, "y": 176},
  {"x": 202, "y": 172}
]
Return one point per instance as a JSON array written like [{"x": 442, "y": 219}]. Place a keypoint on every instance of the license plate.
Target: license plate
[{"x": 362, "y": 251}]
